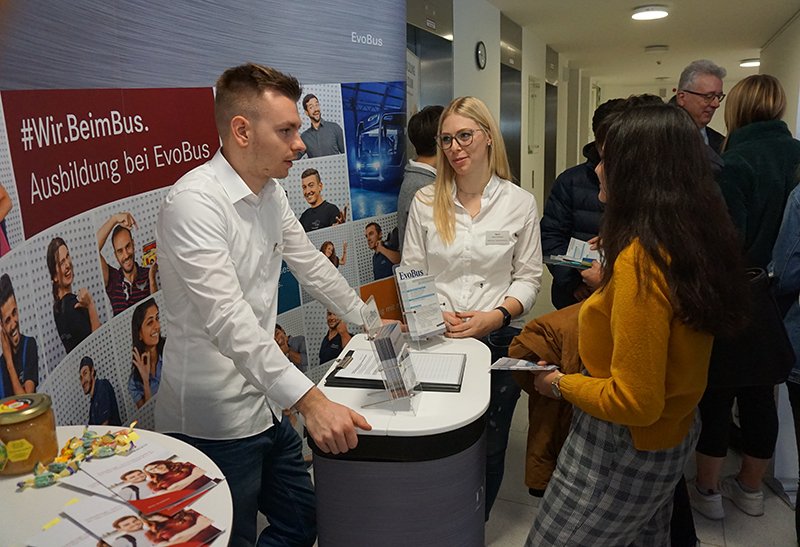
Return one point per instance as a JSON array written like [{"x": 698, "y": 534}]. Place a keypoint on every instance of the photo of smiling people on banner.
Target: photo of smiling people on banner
[
  {"x": 131, "y": 282},
  {"x": 321, "y": 213},
  {"x": 19, "y": 359},
  {"x": 148, "y": 347},
  {"x": 322, "y": 136},
  {"x": 75, "y": 315}
]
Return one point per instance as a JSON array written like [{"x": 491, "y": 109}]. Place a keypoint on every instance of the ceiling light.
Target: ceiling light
[
  {"x": 656, "y": 49},
  {"x": 747, "y": 63},
  {"x": 647, "y": 13}
]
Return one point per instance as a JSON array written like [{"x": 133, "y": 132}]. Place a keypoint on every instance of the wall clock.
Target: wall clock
[{"x": 480, "y": 55}]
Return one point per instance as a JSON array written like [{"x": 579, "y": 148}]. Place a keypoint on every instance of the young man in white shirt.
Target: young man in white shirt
[{"x": 223, "y": 232}]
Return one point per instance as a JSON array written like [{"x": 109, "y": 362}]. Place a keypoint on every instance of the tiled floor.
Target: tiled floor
[{"x": 515, "y": 509}]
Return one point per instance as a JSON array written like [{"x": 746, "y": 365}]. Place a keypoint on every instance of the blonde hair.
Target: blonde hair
[
  {"x": 444, "y": 216},
  {"x": 757, "y": 98}
]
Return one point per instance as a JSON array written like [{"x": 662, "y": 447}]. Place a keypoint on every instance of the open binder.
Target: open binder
[{"x": 442, "y": 372}]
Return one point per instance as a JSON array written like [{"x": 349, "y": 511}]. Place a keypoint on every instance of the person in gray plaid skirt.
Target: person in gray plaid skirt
[{"x": 672, "y": 280}]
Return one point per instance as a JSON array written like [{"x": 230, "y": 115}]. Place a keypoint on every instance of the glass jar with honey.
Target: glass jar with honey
[{"x": 27, "y": 433}]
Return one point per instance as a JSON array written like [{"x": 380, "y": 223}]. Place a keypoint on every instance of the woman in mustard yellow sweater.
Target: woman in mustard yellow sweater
[{"x": 672, "y": 280}]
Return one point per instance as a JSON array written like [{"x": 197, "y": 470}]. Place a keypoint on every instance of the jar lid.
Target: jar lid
[{"x": 23, "y": 407}]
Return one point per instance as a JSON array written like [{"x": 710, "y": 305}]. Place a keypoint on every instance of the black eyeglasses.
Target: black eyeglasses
[
  {"x": 707, "y": 97},
  {"x": 463, "y": 137}
]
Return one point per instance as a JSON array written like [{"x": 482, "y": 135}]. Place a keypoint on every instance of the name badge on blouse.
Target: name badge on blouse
[{"x": 499, "y": 237}]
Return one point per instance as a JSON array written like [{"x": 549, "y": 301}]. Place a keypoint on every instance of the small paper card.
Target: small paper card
[
  {"x": 507, "y": 363},
  {"x": 371, "y": 317}
]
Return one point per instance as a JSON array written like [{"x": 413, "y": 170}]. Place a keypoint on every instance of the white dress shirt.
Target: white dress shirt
[
  {"x": 220, "y": 253},
  {"x": 494, "y": 255}
]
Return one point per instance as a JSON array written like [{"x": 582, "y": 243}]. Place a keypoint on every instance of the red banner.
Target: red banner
[{"x": 73, "y": 150}]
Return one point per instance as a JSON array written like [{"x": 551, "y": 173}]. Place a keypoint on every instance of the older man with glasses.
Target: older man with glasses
[{"x": 700, "y": 94}]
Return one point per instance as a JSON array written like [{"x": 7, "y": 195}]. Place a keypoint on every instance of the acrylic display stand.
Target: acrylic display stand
[{"x": 397, "y": 371}]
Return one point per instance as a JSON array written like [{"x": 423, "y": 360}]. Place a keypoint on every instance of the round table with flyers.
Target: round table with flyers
[{"x": 25, "y": 513}]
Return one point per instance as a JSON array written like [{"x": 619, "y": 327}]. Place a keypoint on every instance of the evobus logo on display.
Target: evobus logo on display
[
  {"x": 411, "y": 274},
  {"x": 367, "y": 39}
]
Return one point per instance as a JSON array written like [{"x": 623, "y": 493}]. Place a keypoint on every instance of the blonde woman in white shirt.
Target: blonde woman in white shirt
[{"x": 478, "y": 233}]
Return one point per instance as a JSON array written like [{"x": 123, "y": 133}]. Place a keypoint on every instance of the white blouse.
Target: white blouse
[{"x": 494, "y": 255}]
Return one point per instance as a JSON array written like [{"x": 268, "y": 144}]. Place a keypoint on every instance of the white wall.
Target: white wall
[
  {"x": 533, "y": 64},
  {"x": 563, "y": 102},
  {"x": 781, "y": 59},
  {"x": 573, "y": 117},
  {"x": 474, "y": 21},
  {"x": 622, "y": 92},
  {"x": 585, "y": 116}
]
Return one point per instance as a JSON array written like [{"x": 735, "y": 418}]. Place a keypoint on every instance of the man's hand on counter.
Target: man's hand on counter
[{"x": 331, "y": 425}]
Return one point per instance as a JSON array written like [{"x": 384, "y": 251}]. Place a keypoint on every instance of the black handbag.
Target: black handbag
[{"x": 760, "y": 355}]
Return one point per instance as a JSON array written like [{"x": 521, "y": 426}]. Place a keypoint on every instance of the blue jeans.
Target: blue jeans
[
  {"x": 266, "y": 473},
  {"x": 503, "y": 399}
]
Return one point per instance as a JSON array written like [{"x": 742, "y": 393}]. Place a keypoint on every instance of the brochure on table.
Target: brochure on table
[
  {"x": 138, "y": 498},
  {"x": 149, "y": 478},
  {"x": 420, "y": 301},
  {"x": 112, "y": 521}
]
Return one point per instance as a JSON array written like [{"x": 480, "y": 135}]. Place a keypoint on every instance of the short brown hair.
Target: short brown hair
[
  {"x": 757, "y": 98},
  {"x": 238, "y": 86},
  {"x": 311, "y": 172}
]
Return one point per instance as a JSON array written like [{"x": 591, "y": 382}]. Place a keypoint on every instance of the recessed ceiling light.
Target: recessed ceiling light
[
  {"x": 747, "y": 63},
  {"x": 647, "y": 13},
  {"x": 656, "y": 49}
]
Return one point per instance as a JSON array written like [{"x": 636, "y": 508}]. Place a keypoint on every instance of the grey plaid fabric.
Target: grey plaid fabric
[{"x": 605, "y": 492}]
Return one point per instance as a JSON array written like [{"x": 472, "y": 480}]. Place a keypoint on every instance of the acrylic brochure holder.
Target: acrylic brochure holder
[
  {"x": 419, "y": 301},
  {"x": 401, "y": 387}
]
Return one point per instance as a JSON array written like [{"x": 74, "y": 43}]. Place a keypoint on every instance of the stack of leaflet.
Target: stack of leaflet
[
  {"x": 579, "y": 255},
  {"x": 138, "y": 499},
  {"x": 394, "y": 361},
  {"x": 420, "y": 302},
  {"x": 507, "y": 363}
]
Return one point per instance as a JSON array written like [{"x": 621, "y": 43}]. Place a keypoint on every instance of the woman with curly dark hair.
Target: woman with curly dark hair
[{"x": 673, "y": 279}]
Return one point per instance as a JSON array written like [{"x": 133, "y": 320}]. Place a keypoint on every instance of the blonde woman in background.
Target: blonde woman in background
[
  {"x": 478, "y": 234},
  {"x": 761, "y": 160}
]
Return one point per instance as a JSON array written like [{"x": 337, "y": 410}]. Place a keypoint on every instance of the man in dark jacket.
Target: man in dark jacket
[{"x": 574, "y": 210}]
